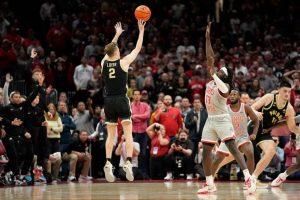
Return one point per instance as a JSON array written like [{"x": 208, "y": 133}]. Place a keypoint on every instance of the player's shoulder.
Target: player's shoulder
[
  {"x": 267, "y": 98},
  {"x": 290, "y": 108}
]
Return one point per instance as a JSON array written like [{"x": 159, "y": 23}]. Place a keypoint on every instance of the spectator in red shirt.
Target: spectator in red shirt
[
  {"x": 197, "y": 86},
  {"x": 58, "y": 38},
  {"x": 170, "y": 117},
  {"x": 159, "y": 149}
]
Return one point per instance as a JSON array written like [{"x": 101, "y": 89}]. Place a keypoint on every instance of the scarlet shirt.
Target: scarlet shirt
[
  {"x": 197, "y": 87},
  {"x": 172, "y": 120},
  {"x": 158, "y": 150},
  {"x": 142, "y": 110}
]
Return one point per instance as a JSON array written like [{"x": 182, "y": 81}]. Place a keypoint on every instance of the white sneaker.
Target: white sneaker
[
  {"x": 278, "y": 181},
  {"x": 72, "y": 178},
  {"x": 169, "y": 176},
  {"x": 207, "y": 189},
  {"x": 251, "y": 184},
  {"x": 189, "y": 176},
  {"x": 108, "y": 170},
  {"x": 128, "y": 170},
  {"x": 85, "y": 178}
]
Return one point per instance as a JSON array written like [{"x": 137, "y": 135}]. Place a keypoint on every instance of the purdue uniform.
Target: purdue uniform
[
  {"x": 272, "y": 115},
  {"x": 116, "y": 102}
]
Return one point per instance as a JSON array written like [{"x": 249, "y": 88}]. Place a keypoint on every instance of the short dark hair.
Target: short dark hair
[
  {"x": 285, "y": 83},
  {"x": 183, "y": 131},
  {"x": 136, "y": 90},
  {"x": 236, "y": 89},
  {"x": 197, "y": 98}
]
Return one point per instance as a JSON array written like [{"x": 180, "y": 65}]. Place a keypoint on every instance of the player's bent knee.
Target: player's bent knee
[{"x": 271, "y": 152}]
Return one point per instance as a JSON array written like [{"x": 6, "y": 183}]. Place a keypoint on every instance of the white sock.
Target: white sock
[
  {"x": 209, "y": 180},
  {"x": 246, "y": 174},
  {"x": 284, "y": 175},
  {"x": 255, "y": 177}
]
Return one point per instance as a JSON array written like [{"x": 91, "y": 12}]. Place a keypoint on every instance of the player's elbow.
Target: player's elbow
[
  {"x": 294, "y": 129},
  {"x": 224, "y": 90}
]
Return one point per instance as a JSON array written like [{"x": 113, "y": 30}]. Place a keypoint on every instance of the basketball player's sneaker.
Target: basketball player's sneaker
[
  {"x": 169, "y": 176},
  {"x": 207, "y": 189},
  {"x": 278, "y": 181},
  {"x": 85, "y": 178},
  {"x": 108, "y": 170},
  {"x": 251, "y": 184},
  {"x": 128, "y": 170}
]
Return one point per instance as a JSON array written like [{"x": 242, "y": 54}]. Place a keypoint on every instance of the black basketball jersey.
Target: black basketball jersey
[
  {"x": 272, "y": 114},
  {"x": 114, "y": 78}
]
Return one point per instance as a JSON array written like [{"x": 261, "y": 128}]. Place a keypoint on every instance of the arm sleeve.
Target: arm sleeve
[
  {"x": 220, "y": 84},
  {"x": 5, "y": 94}
]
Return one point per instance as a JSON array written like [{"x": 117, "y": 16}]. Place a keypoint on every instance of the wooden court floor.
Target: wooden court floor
[{"x": 144, "y": 191}]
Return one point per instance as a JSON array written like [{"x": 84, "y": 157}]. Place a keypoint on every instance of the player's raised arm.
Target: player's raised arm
[
  {"x": 127, "y": 60},
  {"x": 119, "y": 31},
  {"x": 210, "y": 56}
]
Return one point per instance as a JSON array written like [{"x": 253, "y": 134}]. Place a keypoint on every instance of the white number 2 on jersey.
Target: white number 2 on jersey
[{"x": 112, "y": 72}]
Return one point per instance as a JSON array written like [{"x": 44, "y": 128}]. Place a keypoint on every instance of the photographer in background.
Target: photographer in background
[
  {"x": 159, "y": 149},
  {"x": 179, "y": 159},
  {"x": 121, "y": 151},
  {"x": 195, "y": 121},
  {"x": 291, "y": 150}
]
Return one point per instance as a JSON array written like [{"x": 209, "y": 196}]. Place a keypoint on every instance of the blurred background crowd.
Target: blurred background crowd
[{"x": 259, "y": 39}]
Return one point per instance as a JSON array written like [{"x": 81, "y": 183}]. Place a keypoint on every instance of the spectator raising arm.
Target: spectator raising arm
[{"x": 8, "y": 80}]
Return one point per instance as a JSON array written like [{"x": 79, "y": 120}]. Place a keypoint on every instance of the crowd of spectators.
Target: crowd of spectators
[{"x": 258, "y": 39}]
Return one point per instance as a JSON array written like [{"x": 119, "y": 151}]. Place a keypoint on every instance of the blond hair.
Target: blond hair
[{"x": 110, "y": 48}]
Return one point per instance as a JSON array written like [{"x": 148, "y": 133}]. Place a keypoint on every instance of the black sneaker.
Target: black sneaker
[{"x": 48, "y": 177}]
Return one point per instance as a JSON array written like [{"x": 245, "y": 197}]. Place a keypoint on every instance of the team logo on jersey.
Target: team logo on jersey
[{"x": 276, "y": 115}]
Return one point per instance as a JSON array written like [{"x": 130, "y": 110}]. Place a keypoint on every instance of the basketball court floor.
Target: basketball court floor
[{"x": 144, "y": 190}]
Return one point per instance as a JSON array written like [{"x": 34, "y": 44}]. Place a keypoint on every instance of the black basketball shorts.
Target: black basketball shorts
[{"x": 117, "y": 107}]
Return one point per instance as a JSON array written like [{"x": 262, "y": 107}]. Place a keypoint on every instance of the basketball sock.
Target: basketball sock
[
  {"x": 255, "y": 177},
  {"x": 108, "y": 159},
  {"x": 209, "y": 180},
  {"x": 129, "y": 159},
  {"x": 284, "y": 175},
  {"x": 246, "y": 174}
]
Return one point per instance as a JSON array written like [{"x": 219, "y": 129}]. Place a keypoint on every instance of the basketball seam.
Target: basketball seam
[{"x": 143, "y": 12}]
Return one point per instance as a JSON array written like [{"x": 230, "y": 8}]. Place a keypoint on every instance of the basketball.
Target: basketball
[{"x": 142, "y": 12}]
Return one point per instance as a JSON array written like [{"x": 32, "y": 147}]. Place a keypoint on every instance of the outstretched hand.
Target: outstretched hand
[
  {"x": 8, "y": 78},
  {"x": 207, "y": 34},
  {"x": 33, "y": 53},
  {"x": 118, "y": 28},
  {"x": 141, "y": 25}
]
